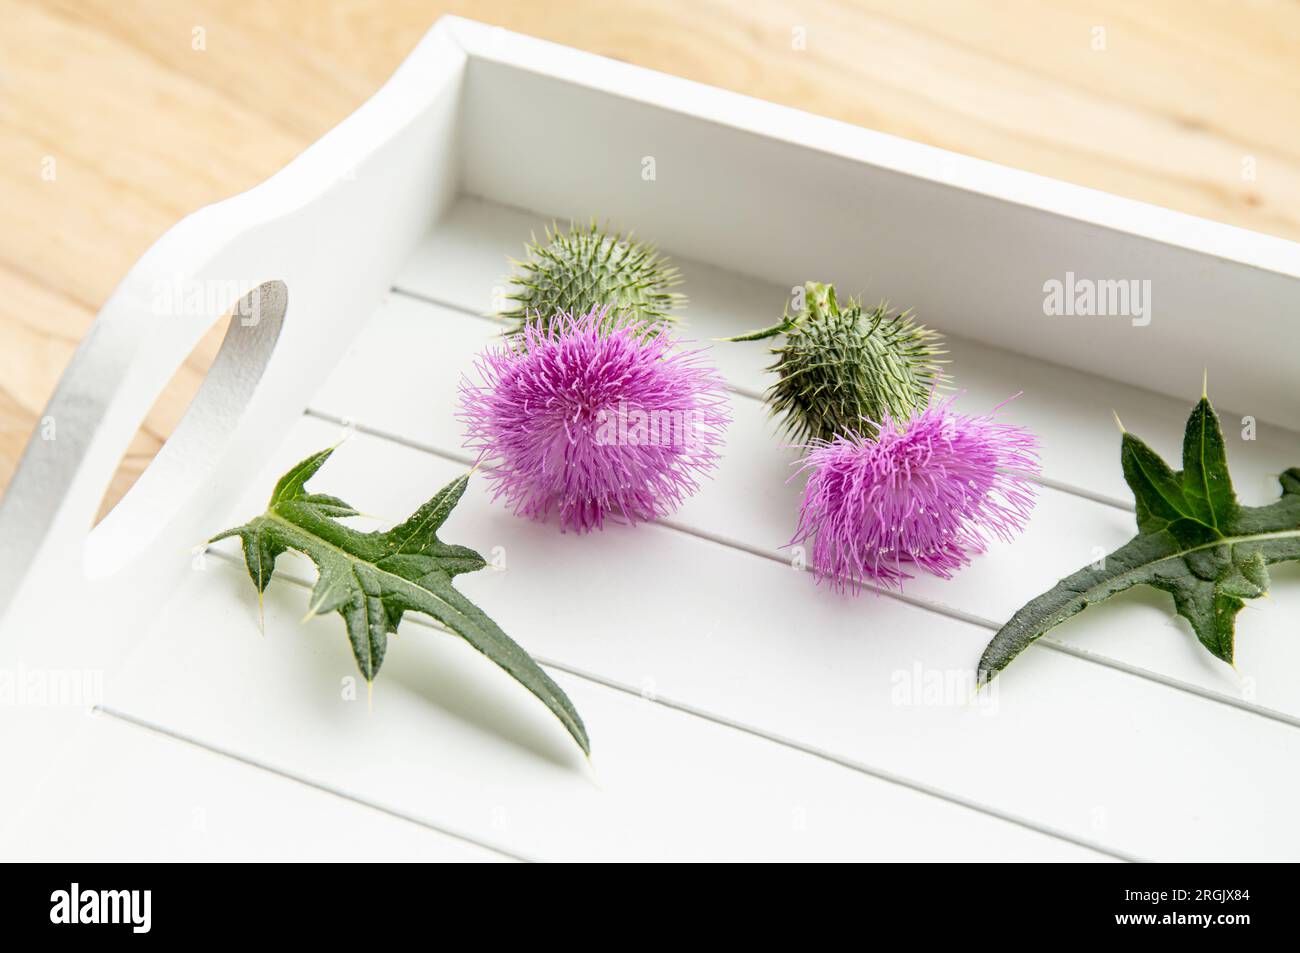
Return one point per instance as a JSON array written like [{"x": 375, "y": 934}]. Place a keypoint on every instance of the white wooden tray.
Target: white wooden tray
[{"x": 735, "y": 709}]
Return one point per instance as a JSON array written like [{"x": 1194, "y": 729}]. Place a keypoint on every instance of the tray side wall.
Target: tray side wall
[{"x": 971, "y": 246}]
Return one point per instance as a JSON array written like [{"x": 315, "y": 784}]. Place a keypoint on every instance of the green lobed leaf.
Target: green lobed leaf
[
  {"x": 1205, "y": 469},
  {"x": 372, "y": 579},
  {"x": 1195, "y": 542}
]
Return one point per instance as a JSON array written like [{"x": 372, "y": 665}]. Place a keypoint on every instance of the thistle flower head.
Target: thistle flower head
[
  {"x": 929, "y": 490},
  {"x": 841, "y": 368},
  {"x": 594, "y": 420},
  {"x": 582, "y": 269}
]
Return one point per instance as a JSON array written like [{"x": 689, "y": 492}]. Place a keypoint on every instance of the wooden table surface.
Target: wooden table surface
[{"x": 118, "y": 117}]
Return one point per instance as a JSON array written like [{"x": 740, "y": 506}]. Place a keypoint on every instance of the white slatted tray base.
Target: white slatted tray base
[
  {"x": 737, "y": 710},
  {"x": 132, "y": 792},
  {"x": 453, "y": 743}
]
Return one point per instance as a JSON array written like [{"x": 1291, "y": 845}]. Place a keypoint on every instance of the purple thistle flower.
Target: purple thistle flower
[
  {"x": 594, "y": 420},
  {"x": 929, "y": 491}
]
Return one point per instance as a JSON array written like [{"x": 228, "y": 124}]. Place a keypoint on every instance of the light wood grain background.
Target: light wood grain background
[{"x": 115, "y": 120}]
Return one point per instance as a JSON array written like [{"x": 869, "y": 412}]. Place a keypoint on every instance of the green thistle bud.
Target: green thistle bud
[
  {"x": 588, "y": 268},
  {"x": 839, "y": 369}
]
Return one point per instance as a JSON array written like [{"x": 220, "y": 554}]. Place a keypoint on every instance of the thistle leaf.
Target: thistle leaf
[
  {"x": 372, "y": 579},
  {"x": 1195, "y": 542}
]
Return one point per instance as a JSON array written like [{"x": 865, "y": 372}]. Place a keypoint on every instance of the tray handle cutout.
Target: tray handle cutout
[
  {"x": 121, "y": 366},
  {"x": 202, "y": 436}
]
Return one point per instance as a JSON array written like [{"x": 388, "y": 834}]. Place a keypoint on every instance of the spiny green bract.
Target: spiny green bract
[
  {"x": 841, "y": 370},
  {"x": 588, "y": 268}
]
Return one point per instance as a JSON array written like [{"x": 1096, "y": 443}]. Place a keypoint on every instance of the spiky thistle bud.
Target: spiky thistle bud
[
  {"x": 843, "y": 370},
  {"x": 588, "y": 269}
]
